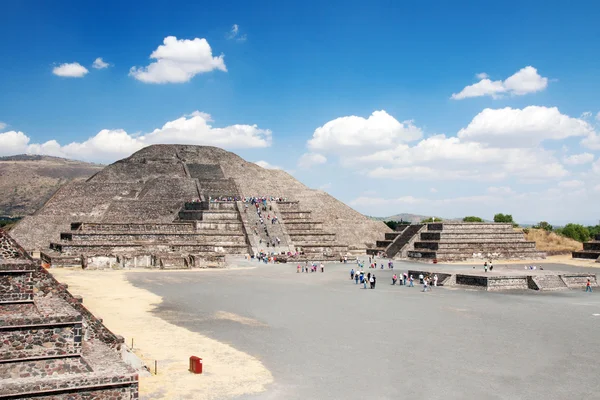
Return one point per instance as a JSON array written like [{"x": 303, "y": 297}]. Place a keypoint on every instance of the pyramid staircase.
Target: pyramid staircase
[
  {"x": 396, "y": 243},
  {"x": 307, "y": 234},
  {"x": 47, "y": 349}
]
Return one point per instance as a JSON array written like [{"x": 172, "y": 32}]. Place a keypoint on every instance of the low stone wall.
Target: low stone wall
[
  {"x": 472, "y": 280},
  {"x": 442, "y": 276},
  {"x": 577, "y": 281},
  {"x": 203, "y": 238},
  {"x": 507, "y": 283},
  {"x": 43, "y": 368}
]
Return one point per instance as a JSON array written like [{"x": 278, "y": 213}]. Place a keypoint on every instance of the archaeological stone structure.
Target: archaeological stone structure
[
  {"x": 178, "y": 206},
  {"x": 457, "y": 241},
  {"x": 51, "y": 346},
  {"x": 591, "y": 250}
]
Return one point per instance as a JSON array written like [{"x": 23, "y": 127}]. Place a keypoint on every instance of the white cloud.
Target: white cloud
[
  {"x": 266, "y": 165},
  {"x": 596, "y": 188},
  {"x": 13, "y": 142},
  {"x": 70, "y": 70},
  {"x": 571, "y": 184},
  {"x": 586, "y": 114},
  {"x": 308, "y": 160},
  {"x": 448, "y": 158},
  {"x": 482, "y": 75},
  {"x": 2, "y": 125},
  {"x": 354, "y": 133},
  {"x": 525, "y": 127},
  {"x": 596, "y": 167},
  {"x": 112, "y": 144},
  {"x": 500, "y": 190},
  {"x": 325, "y": 186},
  {"x": 526, "y": 80},
  {"x": 433, "y": 190},
  {"x": 179, "y": 61},
  {"x": 579, "y": 159},
  {"x": 100, "y": 64},
  {"x": 592, "y": 141},
  {"x": 598, "y": 116},
  {"x": 234, "y": 33}
]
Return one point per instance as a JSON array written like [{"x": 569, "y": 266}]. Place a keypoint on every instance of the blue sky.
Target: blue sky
[{"x": 292, "y": 76}]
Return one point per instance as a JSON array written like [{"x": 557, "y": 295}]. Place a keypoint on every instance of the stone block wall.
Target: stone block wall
[
  {"x": 472, "y": 280},
  {"x": 507, "y": 283},
  {"x": 40, "y": 341},
  {"x": 45, "y": 283},
  {"x": 16, "y": 285},
  {"x": 44, "y": 368}
]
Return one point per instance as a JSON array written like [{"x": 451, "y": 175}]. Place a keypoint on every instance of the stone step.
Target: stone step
[
  {"x": 461, "y": 255},
  {"x": 41, "y": 328},
  {"x": 116, "y": 248},
  {"x": 549, "y": 282},
  {"x": 586, "y": 254},
  {"x": 471, "y": 236},
  {"x": 149, "y": 238},
  {"x": 179, "y": 227},
  {"x": 593, "y": 245},
  {"x": 474, "y": 246}
]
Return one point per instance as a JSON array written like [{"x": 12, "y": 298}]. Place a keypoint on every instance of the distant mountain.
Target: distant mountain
[{"x": 28, "y": 181}]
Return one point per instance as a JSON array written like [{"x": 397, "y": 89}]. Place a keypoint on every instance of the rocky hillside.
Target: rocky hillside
[{"x": 27, "y": 182}]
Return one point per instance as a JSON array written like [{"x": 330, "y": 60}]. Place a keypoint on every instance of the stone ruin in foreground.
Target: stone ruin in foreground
[
  {"x": 153, "y": 209},
  {"x": 51, "y": 346}
]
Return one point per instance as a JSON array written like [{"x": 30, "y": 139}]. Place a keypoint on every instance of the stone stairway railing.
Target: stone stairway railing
[
  {"x": 286, "y": 240},
  {"x": 403, "y": 240},
  {"x": 249, "y": 229}
]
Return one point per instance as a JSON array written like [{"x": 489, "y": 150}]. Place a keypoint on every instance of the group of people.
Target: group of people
[
  {"x": 314, "y": 267},
  {"x": 263, "y": 199},
  {"x": 364, "y": 279},
  {"x": 426, "y": 281}
]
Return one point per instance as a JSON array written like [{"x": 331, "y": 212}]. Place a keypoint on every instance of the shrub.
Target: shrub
[
  {"x": 575, "y": 232},
  {"x": 544, "y": 225},
  {"x": 472, "y": 219},
  {"x": 430, "y": 219},
  {"x": 504, "y": 218}
]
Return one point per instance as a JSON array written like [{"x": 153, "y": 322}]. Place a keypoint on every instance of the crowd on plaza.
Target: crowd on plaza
[
  {"x": 313, "y": 267},
  {"x": 359, "y": 276}
]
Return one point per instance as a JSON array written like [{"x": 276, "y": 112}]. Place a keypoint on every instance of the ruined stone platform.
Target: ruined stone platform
[
  {"x": 51, "y": 346},
  {"x": 506, "y": 278},
  {"x": 591, "y": 250}
]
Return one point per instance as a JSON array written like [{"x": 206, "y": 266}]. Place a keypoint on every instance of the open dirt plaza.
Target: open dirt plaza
[{"x": 267, "y": 332}]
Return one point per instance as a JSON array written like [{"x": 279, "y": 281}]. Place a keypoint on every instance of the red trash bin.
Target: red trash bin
[{"x": 195, "y": 365}]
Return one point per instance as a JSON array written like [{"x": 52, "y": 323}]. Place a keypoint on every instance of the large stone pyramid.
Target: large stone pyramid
[{"x": 157, "y": 201}]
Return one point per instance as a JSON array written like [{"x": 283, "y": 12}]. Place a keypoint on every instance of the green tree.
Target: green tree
[
  {"x": 576, "y": 232},
  {"x": 472, "y": 219},
  {"x": 431, "y": 219},
  {"x": 392, "y": 224},
  {"x": 504, "y": 218},
  {"x": 594, "y": 230},
  {"x": 544, "y": 225}
]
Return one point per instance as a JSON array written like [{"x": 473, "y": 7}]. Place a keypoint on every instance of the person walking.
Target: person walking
[
  {"x": 420, "y": 279},
  {"x": 485, "y": 267},
  {"x": 411, "y": 282},
  {"x": 298, "y": 269},
  {"x": 352, "y": 273},
  {"x": 322, "y": 267},
  {"x": 394, "y": 279},
  {"x": 364, "y": 282},
  {"x": 356, "y": 278},
  {"x": 404, "y": 277},
  {"x": 372, "y": 281},
  {"x": 425, "y": 285},
  {"x": 588, "y": 286},
  {"x": 435, "y": 279}
]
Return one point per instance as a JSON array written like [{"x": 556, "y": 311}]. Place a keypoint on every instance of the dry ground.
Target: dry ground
[
  {"x": 551, "y": 242},
  {"x": 128, "y": 311}
]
